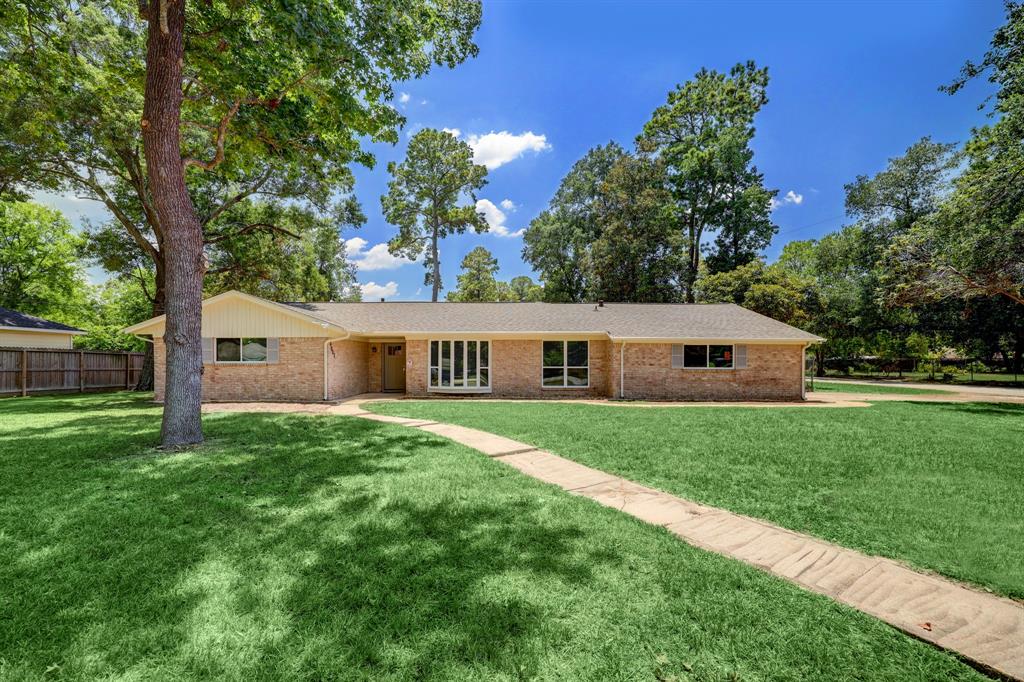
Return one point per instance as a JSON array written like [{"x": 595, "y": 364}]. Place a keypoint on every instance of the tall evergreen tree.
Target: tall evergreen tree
[
  {"x": 424, "y": 194},
  {"x": 703, "y": 134},
  {"x": 477, "y": 282}
]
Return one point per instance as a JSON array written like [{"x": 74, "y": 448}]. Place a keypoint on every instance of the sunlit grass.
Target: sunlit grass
[
  {"x": 934, "y": 484},
  {"x": 315, "y": 547}
]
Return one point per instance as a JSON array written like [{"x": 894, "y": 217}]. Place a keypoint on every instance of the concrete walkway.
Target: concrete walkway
[{"x": 985, "y": 629}]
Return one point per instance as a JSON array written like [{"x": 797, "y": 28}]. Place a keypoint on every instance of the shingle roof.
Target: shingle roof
[
  {"x": 12, "y": 318},
  {"x": 618, "y": 320}
]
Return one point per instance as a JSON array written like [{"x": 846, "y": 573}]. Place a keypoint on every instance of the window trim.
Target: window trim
[
  {"x": 565, "y": 366},
  {"x": 707, "y": 357},
  {"x": 240, "y": 361},
  {"x": 465, "y": 365}
]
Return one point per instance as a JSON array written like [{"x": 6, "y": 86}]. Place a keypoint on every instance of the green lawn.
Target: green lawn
[
  {"x": 313, "y": 547},
  {"x": 839, "y": 386},
  {"x": 935, "y": 484}
]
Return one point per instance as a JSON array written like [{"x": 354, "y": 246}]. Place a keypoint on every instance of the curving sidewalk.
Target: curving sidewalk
[{"x": 985, "y": 629}]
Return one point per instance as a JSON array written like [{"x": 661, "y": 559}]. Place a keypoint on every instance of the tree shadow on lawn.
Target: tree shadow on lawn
[
  {"x": 993, "y": 409},
  {"x": 288, "y": 546}
]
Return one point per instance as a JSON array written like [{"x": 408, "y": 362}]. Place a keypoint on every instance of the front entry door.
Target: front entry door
[{"x": 394, "y": 367}]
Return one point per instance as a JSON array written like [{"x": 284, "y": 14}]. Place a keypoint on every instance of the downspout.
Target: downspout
[
  {"x": 327, "y": 346},
  {"x": 803, "y": 372},
  {"x": 622, "y": 370}
]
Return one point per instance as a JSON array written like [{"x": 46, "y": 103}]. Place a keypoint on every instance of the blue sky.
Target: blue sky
[{"x": 852, "y": 84}]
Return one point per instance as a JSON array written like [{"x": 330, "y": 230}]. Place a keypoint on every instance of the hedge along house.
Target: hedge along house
[{"x": 254, "y": 349}]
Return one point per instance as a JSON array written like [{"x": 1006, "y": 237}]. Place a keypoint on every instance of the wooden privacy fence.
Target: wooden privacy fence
[{"x": 24, "y": 371}]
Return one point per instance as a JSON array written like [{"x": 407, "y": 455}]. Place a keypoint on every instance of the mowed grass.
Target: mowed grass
[
  {"x": 315, "y": 547},
  {"x": 839, "y": 386},
  {"x": 937, "y": 485}
]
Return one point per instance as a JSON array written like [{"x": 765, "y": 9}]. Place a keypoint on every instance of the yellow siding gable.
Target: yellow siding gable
[
  {"x": 236, "y": 316},
  {"x": 19, "y": 339}
]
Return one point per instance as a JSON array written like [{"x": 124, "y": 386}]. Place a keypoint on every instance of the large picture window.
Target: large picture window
[
  {"x": 461, "y": 365},
  {"x": 566, "y": 364},
  {"x": 692, "y": 356},
  {"x": 241, "y": 350}
]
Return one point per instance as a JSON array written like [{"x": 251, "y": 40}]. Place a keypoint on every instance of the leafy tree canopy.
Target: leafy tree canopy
[{"x": 39, "y": 269}]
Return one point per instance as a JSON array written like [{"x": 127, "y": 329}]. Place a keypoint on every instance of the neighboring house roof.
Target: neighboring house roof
[
  {"x": 12, "y": 319},
  {"x": 619, "y": 320}
]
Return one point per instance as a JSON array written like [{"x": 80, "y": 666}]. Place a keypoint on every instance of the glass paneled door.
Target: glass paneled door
[{"x": 394, "y": 367}]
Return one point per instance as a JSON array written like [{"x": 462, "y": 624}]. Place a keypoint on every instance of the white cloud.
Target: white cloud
[
  {"x": 791, "y": 197},
  {"x": 508, "y": 205},
  {"x": 495, "y": 218},
  {"x": 403, "y": 98},
  {"x": 496, "y": 149},
  {"x": 374, "y": 258},
  {"x": 372, "y": 291},
  {"x": 454, "y": 132}
]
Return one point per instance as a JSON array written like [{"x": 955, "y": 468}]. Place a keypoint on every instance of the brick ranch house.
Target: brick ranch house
[{"x": 254, "y": 349}]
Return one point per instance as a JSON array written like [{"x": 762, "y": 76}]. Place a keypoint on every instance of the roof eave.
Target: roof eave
[{"x": 74, "y": 332}]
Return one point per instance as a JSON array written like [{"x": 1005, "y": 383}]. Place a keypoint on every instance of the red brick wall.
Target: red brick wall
[
  {"x": 773, "y": 372},
  {"x": 298, "y": 375},
  {"x": 515, "y": 370},
  {"x": 348, "y": 367}
]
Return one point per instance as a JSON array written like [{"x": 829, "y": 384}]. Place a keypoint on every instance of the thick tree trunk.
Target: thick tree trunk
[
  {"x": 437, "y": 267},
  {"x": 183, "y": 236},
  {"x": 146, "y": 382}
]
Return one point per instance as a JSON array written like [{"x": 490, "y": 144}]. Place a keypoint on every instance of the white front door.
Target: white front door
[{"x": 394, "y": 367}]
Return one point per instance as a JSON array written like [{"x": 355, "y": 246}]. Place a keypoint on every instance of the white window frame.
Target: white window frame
[
  {"x": 240, "y": 361},
  {"x": 565, "y": 367},
  {"x": 465, "y": 365},
  {"x": 707, "y": 356}
]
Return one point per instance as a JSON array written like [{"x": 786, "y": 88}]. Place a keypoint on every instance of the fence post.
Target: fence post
[
  {"x": 127, "y": 371},
  {"x": 81, "y": 371},
  {"x": 24, "y": 372}
]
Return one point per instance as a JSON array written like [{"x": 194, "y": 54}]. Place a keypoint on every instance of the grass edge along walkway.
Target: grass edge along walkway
[{"x": 986, "y": 629}]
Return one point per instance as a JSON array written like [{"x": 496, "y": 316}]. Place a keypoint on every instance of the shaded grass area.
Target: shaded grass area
[
  {"x": 935, "y": 484},
  {"x": 315, "y": 547},
  {"x": 838, "y": 386}
]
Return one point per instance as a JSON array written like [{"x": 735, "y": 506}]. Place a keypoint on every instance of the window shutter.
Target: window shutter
[
  {"x": 273, "y": 351},
  {"x": 208, "y": 350},
  {"x": 677, "y": 356},
  {"x": 741, "y": 357}
]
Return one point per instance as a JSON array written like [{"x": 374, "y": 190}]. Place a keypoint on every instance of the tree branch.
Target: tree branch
[
  {"x": 252, "y": 227},
  {"x": 222, "y": 133},
  {"x": 231, "y": 201}
]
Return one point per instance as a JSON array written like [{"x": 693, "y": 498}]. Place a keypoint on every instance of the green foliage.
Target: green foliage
[
  {"x": 424, "y": 194},
  {"x": 974, "y": 244},
  {"x": 39, "y": 270},
  {"x": 637, "y": 256},
  {"x": 771, "y": 290},
  {"x": 112, "y": 306},
  {"x": 558, "y": 242},
  {"x": 289, "y": 93},
  {"x": 476, "y": 282},
  {"x": 703, "y": 134},
  {"x": 521, "y": 289},
  {"x": 283, "y": 253}
]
